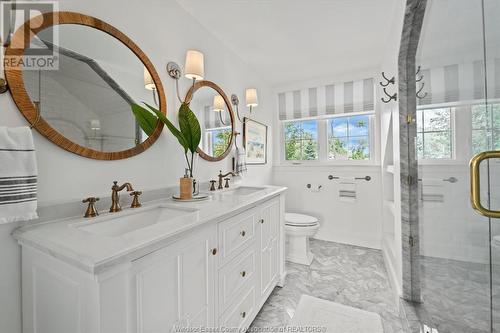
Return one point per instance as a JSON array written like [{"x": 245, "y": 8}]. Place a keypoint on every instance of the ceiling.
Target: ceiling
[{"x": 295, "y": 40}]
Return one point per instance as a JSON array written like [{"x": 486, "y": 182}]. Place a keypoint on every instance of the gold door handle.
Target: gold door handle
[{"x": 475, "y": 183}]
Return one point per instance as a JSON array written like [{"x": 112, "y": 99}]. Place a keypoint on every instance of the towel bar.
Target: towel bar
[{"x": 367, "y": 178}]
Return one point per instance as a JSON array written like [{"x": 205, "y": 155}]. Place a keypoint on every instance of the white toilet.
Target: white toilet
[{"x": 298, "y": 229}]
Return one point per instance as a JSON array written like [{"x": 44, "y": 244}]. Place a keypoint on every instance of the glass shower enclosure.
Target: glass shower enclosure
[{"x": 458, "y": 119}]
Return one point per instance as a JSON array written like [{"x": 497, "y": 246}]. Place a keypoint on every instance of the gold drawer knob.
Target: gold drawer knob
[
  {"x": 243, "y": 314},
  {"x": 261, "y": 220},
  {"x": 214, "y": 251},
  {"x": 243, "y": 274},
  {"x": 243, "y": 233}
]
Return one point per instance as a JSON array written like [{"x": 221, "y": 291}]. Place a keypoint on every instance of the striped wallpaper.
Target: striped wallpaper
[
  {"x": 460, "y": 82},
  {"x": 211, "y": 118},
  {"x": 353, "y": 96}
]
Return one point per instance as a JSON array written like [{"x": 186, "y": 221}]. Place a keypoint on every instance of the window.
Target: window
[
  {"x": 434, "y": 133},
  {"x": 485, "y": 127},
  {"x": 301, "y": 140},
  {"x": 218, "y": 141},
  {"x": 349, "y": 138}
]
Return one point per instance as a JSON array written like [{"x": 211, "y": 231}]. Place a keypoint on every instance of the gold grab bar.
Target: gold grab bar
[{"x": 475, "y": 183}]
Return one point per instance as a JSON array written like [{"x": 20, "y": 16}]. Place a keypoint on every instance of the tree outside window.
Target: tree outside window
[
  {"x": 485, "y": 127},
  {"x": 301, "y": 140},
  {"x": 219, "y": 140},
  {"x": 434, "y": 134},
  {"x": 349, "y": 138}
]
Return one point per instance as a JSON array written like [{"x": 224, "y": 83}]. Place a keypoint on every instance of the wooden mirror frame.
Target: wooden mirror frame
[
  {"x": 189, "y": 97},
  {"x": 23, "y": 101}
]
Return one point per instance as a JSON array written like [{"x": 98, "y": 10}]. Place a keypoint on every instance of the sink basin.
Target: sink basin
[
  {"x": 245, "y": 190},
  {"x": 127, "y": 221}
]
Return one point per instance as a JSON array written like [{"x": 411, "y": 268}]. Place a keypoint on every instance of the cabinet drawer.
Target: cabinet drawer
[
  {"x": 235, "y": 234},
  {"x": 240, "y": 315},
  {"x": 237, "y": 276}
]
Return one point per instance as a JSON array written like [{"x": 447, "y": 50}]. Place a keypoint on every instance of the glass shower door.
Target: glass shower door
[{"x": 458, "y": 118}]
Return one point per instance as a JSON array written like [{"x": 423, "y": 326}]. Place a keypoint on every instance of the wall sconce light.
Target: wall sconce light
[
  {"x": 219, "y": 104},
  {"x": 251, "y": 101},
  {"x": 194, "y": 69},
  {"x": 149, "y": 84}
]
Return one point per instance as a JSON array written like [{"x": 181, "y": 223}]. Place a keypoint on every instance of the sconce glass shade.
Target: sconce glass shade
[
  {"x": 149, "y": 84},
  {"x": 219, "y": 103},
  {"x": 251, "y": 97},
  {"x": 95, "y": 124},
  {"x": 194, "y": 66}
]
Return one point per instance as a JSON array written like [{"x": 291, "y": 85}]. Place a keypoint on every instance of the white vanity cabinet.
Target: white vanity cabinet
[
  {"x": 175, "y": 285},
  {"x": 217, "y": 274}
]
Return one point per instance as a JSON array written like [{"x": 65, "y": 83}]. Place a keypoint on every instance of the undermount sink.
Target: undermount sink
[
  {"x": 124, "y": 222},
  {"x": 244, "y": 190}
]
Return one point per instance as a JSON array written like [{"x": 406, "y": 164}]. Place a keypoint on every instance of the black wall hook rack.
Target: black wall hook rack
[
  {"x": 390, "y": 97},
  {"x": 388, "y": 81},
  {"x": 419, "y": 96},
  {"x": 384, "y": 85},
  {"x": 419, "y": 79}
]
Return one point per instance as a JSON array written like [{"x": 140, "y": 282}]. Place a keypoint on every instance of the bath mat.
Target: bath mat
[{"x": 313, "y": 314}]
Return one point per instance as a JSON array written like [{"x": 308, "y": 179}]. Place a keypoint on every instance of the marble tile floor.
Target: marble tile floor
[
  {"x": 346, "y": 274},
  {"x": 456, "y": 297}
]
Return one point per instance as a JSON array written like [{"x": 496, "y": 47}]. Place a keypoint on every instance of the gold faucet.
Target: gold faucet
[
  {"x": 115, "y": 198},
  {"x": 221, "y": 177}
]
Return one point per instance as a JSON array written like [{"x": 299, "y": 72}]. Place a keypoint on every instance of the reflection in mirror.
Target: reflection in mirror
[
  {"x": 88, "y": 98},
  {"x": 215, "y": 120}
]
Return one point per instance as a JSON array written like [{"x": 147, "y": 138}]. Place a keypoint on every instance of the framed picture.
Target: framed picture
[{"x": 255, "y": 141}]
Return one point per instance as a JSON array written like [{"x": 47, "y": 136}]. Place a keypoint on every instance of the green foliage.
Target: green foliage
[
  {"x": 299, "y": 144},
  {"x": 189, "y": 135},
  {"x": 190, "y": 127},
  {"x": 434, "y": 134},
  {"x": 220, "y": 146}
]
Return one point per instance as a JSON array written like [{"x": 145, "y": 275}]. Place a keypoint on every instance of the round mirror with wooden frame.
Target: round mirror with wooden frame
[
  {"x": 83, "y": 103},
  {"x": 215, "y": 114}
]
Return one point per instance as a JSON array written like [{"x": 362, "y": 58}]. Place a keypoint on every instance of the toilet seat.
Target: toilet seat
[{"x": 300, "y": 220}]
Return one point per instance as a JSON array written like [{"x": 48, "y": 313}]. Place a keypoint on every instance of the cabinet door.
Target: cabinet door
[
  {"x": 269, "y": 246},
  {"x": 175, "y": 285}
]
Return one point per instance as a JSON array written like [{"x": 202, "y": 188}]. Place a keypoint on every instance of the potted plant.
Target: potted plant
[{"x": 188, "y": 134}]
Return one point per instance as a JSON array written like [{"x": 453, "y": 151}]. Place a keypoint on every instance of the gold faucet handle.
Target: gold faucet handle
[
  {"x": 212, "y": 185},
  {"x": 226, "y": 185},
  {"x": 135, "y": 201},
  {"x": 90, "y": 200},
  {"x": 91, "y": 210}
]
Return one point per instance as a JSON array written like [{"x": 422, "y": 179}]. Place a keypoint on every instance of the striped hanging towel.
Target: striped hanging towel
[
  {"x": 240, "y": 163},
  {"x": 18, "y": 175}
]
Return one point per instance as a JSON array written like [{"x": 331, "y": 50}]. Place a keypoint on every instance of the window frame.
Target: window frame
[
  {"x": 207, "y": 138},
  {"x": 283, "y": 142},
  {"x": 323, "y": 142},
  {"x": 453, "y": 126}
]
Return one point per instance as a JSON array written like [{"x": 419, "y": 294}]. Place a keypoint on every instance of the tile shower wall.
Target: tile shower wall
[{"x": 164, "y": 31}]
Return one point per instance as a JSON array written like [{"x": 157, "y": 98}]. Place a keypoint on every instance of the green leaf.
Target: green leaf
[
  {"x": 146, "y": 120},
  {"x": 180, "y": 137},
  {"x": 190, "y": 127}
]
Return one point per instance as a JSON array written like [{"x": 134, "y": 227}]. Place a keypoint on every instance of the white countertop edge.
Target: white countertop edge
[{"x": 130, "y": 254}]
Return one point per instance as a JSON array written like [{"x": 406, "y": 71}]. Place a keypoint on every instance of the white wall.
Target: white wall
[
  {"x": 164, "y": 31},
  {"x": 357, "y": 223}
]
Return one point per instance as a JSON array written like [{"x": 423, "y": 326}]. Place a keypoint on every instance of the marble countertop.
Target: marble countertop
[{"x": 95, "y": 253}]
